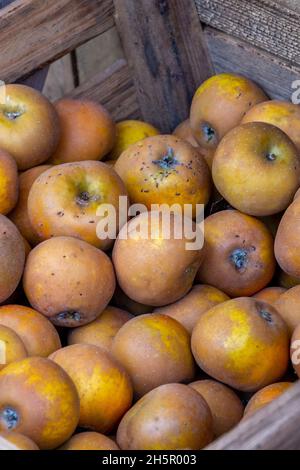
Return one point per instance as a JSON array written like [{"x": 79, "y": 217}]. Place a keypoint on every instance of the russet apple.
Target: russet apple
[
  {"x": 9, "y": 184},
  {"x": 38, "y": 399},
  {"x": 164, "y": 170},
  {"x": 12, "y": 255},
  {"x": 219, "y": 105},
  {"x": 282, "y": 114},
  {"x": 256, "y": 168},
  {"x": 154, "y": 269},
  {"x": 68, "y": 280},
  {"x": 29, "y": 126},
  {"x": 19, "y": 215},
  {"x": 64, "y": 200},
  {"x": 238, "y": 253},
  {"x": 87, "y": 131}
]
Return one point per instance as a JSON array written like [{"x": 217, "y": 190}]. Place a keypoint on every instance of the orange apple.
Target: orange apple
[{"x": 87, "y": 131}]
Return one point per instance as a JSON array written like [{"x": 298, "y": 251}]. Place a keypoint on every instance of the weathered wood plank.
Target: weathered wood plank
[
  {"x": 229, "y": 54},
  {"x": 275, "y": 427},
  {"x": 164, "y": 45},
  {"x": 35, "y": 32},
  {"x": 114, "y": 89},
  {"x": 98, "y": 54},
  {"x": 267, "y": 24},
  {"x": 60, "y": 80}
]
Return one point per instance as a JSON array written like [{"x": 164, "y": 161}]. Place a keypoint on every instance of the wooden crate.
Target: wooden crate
[{"x": 171, "y": 46}]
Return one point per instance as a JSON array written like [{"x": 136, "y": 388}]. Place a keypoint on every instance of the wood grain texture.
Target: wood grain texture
[
  {"x": 114, "y": 89},
  {"x": 229, "y": 54},
  {"x": 163, "y": 43},
  {"x": 35, "y": 32},
  {"x": 270, "y": 25},
  {"x": 274, "y": 427}
]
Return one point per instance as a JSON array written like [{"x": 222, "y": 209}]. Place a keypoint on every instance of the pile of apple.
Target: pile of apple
[{"x": 136, "y": 342}]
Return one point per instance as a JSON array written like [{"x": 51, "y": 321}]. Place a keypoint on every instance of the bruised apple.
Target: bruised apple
[
  {"x": 153, "y": 267},
  {"x": 256, "y": 168},
  {"x": 282, "y": 114},
  {"x": 238, "y": 253},
  {"x": 219, "y": 105},
  {"x": 68, "y": 280},
  {"x": 38, "y": 399},
  {"x": 154, "y": 349},
  {"x": 66, "y": 200},
  {"x": 87, "y": 131},
  {"x": 164, "y": 170},
  {"x": 104, "y": 387},
  {"x": 242, "y": 342},
  {"x": 12, "y": 347},
  {"x": 29, "y": 126},
  {"x": 9, "y": 184},
  {"x": 19, "y": 216},
  {"x": 170, "y": 417},
  {"x": 89, "y": 441},
  {"x": 36, "y": 332},
  {"x": 102, "y": 330},
  {"x": 12, "y": 256},
  {"x": 188, "y": 310},
  {"x": 128, "y": 133}
]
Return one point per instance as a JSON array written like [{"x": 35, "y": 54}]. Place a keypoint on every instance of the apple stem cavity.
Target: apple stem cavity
[
  {"x": 167, "y": 161},
  {"x": 84, "y": 198},
  {"x": 239, "y": 258},
  {"x": 209, "y": 132},
  {"x": 69, "y": 315},
  {"x": 271, "y": 156},
  {"x": 10, "y": 417},
  {"x": 266, "y": 315}
]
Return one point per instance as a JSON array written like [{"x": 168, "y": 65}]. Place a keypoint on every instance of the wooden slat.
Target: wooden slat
[
  {"x": 268, "y": 24},
  {"x": 114, "y": 89},
  {"x": 164, "y": 46},
  {"x": 229, "y": 54},
  {"x": 274, "y": 427},
  {"x": 35, "y": 32}
]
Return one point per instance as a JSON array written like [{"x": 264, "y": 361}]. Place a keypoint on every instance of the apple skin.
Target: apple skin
[
  {"x": 219, "y": 105},
  {"x": 282, "y": 114},
  {"x": 87, "y": 131},
  {"x": 9, "y": 183},
  {"x": 164, "y": 169},
  {"x": 29, "y": 126},
  {"x": 19, "y": 216},
  {"x": 12, "y": 255},
  {"x": 63, "y": 201},
  {"x": 256, "y": 168},
  {"x": 38, "y": 399},
  {"x": 184, "y": 132},
  {"x": 68, "y": 281}
]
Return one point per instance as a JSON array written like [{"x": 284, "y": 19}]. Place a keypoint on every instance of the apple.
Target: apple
[
  {"x": 219, "y": 104},
  {"x": 87, "y": 131},
  {"x": 64, "y": 200},
  {"x": 256, "y": 168},
  {"x": 29, "y": 126}
]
